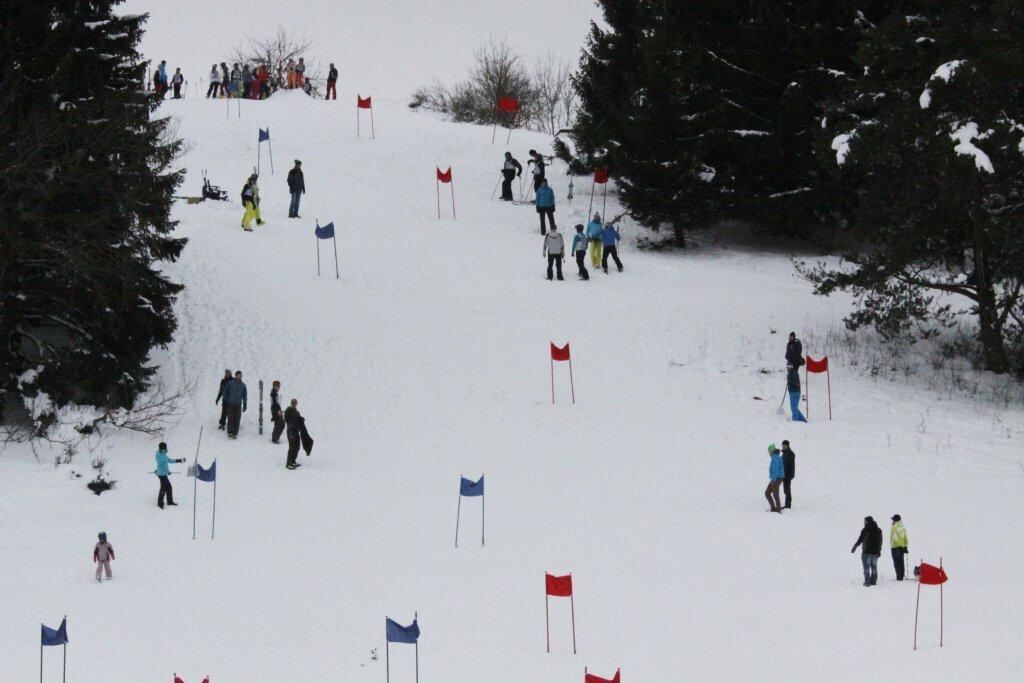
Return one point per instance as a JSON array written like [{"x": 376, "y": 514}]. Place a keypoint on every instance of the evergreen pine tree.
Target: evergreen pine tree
[
  {"x": 86, "y": 192},
  {"x": 932, "y": 137},
  {"x": 705, "y": 111}
]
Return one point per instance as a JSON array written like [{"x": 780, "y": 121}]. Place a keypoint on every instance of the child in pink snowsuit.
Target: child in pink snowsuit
[{"x": 102, "y": 554}]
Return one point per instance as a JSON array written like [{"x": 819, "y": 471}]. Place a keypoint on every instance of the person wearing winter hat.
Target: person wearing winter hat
[
  {"x": 776, "y": 474},
  {"x": 789, "y": 463},
  {"x": 594, "y": 229},
  {"x": 163, "y": 473},
  {"x": 870, "y": 540},
  {"x": 102, "y": 554},
  {"x": 898, "y": 545},
  {"x": 296, "y": 187},
  {"x": 545, "y": 203},
  {"x": 554, "y": 250},
  {"x": 579, "y": 250}
]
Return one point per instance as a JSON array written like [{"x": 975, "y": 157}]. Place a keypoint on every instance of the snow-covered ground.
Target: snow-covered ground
[{"x": 429, "y": 359}]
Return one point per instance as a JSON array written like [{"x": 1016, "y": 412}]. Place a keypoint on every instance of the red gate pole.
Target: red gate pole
[
  {"x": 547, "y": 622},
  {"x": 438, "y": 184},
  {"x": 552, "y": 381},
  {"x": 591, "y": 207},
  {"x": 807, "y": 390},
  {"x": 604, "y": 206},
  {"x": 511, "y": 125},
  {"x": 828, "y": 378},
  {"x": 452, "y": 185},
  {"x": 917, "y": 608},
  {"x": 357, "y": 117},
  {"x": 373, "y": 131},
  {"x": 940, "y": 607},
  {"x": 572, "y": 606},
  {"x": 494, "y": 130},
  {"x": 571, "y": 384}
]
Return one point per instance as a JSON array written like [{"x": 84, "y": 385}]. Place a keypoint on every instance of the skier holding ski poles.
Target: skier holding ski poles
[{"x": 511, "y": 170}]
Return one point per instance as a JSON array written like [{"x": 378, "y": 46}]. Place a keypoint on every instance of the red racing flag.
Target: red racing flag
[
  {"x": 445, "y": 176},
  {"x": 364, "y": 104},
  {"x": 558, "y": 586},
  {"x": 508, "y": 104},
  {"x": 601, "y": 175},
  {"x": 817, "y": 365},
  {"x": 591, "y": 678},
  {"x": 559, "y": 353},
  {"x": 930, "y": 575}
]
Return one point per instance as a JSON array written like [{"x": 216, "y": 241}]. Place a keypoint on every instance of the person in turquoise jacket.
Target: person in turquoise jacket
[
  {"x": 545, "y": 205},
  {"x": 776, "y": 475},
  {"x": 594, "y": 228},
  {"x": 163, "y": 472},
  {"x": 609, "y": 236}
]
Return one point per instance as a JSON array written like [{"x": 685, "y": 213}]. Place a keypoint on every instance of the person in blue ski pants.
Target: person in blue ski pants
[{"x": 793, "y": 387}]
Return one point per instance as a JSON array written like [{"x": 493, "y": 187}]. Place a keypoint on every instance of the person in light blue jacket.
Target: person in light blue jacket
[
  {"x": 545, "y": 205},
  {"x": 776, "y": 475},
  {"x": 579, "y": 250},
  {"x": 609, "y": 236},
  {"x": 594, "y": 228},
  {"x": 163, "y": 473}
]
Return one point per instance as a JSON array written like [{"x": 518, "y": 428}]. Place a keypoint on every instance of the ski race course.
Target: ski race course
[{"x": 429, "y": 359}]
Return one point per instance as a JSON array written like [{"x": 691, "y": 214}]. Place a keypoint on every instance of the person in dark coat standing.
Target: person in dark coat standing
[
  {"x": 332, "y": 84},
  {"x": 294, "y": 422},
  {"x": 220, "y": 394},
  {"x": 276, "y": 413},
  {"x": 794, "y": 351},
  {"x": 793, "y": 387},
  {"x": 297, "y": 187},
  {"x": 870, "y": 541},
  {"x": 789, "y": 465},
  {"x": 236, "y": 396},
  {"x": 537, "y": 159},
  {"x": 511, "y": 170}
]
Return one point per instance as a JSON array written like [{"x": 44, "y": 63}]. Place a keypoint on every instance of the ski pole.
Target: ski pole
[
  {"x": 495, "y": 191},
  {"x": 783, "y": 401}
]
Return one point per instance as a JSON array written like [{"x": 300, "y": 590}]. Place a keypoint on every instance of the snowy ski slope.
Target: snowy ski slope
[{"x": 429, "y": 359}]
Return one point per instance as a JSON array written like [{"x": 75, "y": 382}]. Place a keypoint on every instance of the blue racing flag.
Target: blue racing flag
[
  {"x": 326, "y": 232},
  {"x": 206, "y": 475},
  {"x": 264, "y": 135},
  {"x": 402, "y": 634},
  {"x": 60, "y": 636},
  {"x": 471, "y": 488}
]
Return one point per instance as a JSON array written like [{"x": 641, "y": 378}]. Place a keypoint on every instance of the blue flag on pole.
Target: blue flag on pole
[
  {"x": 471, "y": 488},
  {"x": 206, "y": 475},
  {"x": 326, "y": 232},
  {"x": 403, "y": 634},
  {"x": 264, "y": 135},
  {"x": 59, "y": 636}
]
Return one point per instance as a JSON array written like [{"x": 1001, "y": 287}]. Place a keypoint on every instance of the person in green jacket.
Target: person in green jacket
[
  {"x": 898, "y": 545},
  {"x": 163, "y": 473}
]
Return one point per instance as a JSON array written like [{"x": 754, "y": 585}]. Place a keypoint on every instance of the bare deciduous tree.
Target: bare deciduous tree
[
  {"x": 556, "y": 96},
  {"x": 274, "y": 51}
]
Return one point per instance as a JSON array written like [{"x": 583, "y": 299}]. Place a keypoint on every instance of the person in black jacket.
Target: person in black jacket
[
  {"x": 870, "y": 540},
  {"x": 332, "y": 84},
  {"x": 794, "y": 351},
  {"x": 789, "y": 464},
  {"x": 276, "y": 414},
  {"x": 220, "y": 394},
  {"x": 297, "y": 186},
  {"x": 511, "y": 170},
  {"x": 537, "y": 159},
  {"x": 293, "y": 420}
]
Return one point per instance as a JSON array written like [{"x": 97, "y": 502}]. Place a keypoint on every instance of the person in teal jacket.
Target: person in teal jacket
[
  {"x": 609, "y": 236},
  {"x": 163, "y": 472},
  {"x": 594, "y": 228},
  {"x": 776, "y": 475},
  {"x": 545, "y": 203}
]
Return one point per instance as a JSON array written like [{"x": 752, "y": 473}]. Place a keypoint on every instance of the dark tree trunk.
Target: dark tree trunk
[{"x": 990, "y": 332}]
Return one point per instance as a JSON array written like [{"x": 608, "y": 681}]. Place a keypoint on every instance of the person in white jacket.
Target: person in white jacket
[
  {"x": 554, "y": 249},
  {"x": 214, "y": 82}
]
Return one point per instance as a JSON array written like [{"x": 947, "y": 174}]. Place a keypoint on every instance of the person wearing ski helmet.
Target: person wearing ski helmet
[
  {"x": 594, "y": 229},
  {"x": 102, "y": 554}
]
